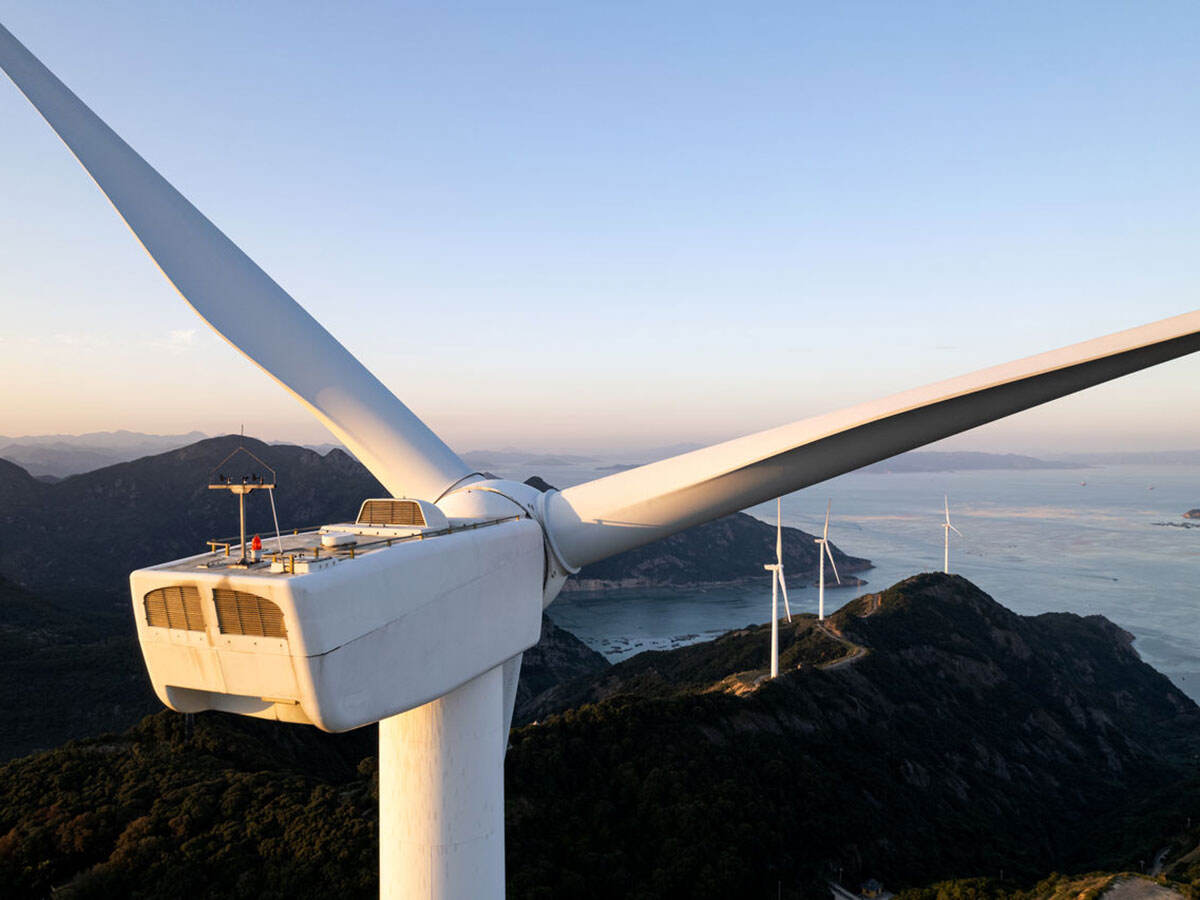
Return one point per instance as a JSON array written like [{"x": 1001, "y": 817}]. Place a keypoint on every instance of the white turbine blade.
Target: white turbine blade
[
  {"x": 946, "y": 500},
  {"x": 828, "y": 507},
  {"x": 597, "y": 519},
  {"x": 955, "y": 530},
  {"x": 239, "y": 300},
  {"x": 825, "y": 546},
  {"x": 783, "y": 587}
]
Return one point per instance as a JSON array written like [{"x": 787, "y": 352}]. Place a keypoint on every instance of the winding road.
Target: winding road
[{"x": 857, "y": 651}]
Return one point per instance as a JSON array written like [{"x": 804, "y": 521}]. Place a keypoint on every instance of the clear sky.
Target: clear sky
[{"x": 616, "y": 224}]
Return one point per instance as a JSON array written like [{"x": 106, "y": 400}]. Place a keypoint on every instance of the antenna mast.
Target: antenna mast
[{"x": 219, "y": 481}]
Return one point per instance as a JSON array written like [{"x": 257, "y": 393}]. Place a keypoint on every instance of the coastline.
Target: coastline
[{"x": 600, "y": 585}]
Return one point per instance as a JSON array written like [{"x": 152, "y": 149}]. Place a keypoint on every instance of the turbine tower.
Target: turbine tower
[
  {"x": 416, "y": 614},
  {"x": 823, "y": 551},
  {"x": 947, "y": 528},
  {"x": 777, "y": 584}
]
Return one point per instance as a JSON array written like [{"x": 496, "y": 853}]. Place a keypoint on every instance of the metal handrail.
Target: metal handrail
[{"x": 350, "y": 549}]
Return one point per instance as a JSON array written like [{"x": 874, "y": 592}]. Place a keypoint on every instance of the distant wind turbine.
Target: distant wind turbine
[
  {"x": 822, "y": 552},
  {"x": 947, "y": 528},
  {"x": 777, "y": 584}
]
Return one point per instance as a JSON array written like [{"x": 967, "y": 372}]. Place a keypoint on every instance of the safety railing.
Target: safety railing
[{"x": 350, "y": 551}]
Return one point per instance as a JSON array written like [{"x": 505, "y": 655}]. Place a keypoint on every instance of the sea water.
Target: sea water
[{"x": 1086, "y": 540}]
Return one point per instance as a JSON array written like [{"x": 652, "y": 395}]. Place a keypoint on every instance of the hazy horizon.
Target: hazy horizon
[{"x": 599, "y": 451}]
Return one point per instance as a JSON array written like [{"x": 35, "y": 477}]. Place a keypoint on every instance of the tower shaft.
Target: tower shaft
[
  {"x": 821, "y": 583},
  {"x": 774, "y": 623},
  {"x": 441, "y": 796}
]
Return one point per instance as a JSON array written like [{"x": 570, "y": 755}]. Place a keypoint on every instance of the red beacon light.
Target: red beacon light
[{"x": 256, "y": 544}]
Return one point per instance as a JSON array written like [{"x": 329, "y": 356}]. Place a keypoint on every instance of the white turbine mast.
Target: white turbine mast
[
  {"x": 823, "y": 551},
  {"x": 777, "y": 585},
  {"x": 425, "y": 636},
  {"x": 947, "y": 528}
]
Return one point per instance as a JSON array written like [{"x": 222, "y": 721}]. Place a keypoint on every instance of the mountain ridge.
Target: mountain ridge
[
  {"x": 108, "y": 522},
  {"x": 62, "y": 455}
]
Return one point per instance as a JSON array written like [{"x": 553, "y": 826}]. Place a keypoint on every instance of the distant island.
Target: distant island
[
  {"x": 963, "y": 461},
  {"x": 935, "y": 461},
  {"x": 618, "y": 467},
  {"x": 1135, "y": 458},
  {"x": 1190, "y": 514},
  {"x": 728, "y": 550}
]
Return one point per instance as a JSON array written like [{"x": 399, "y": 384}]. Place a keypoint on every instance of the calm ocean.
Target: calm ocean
[{"x": 1036, "y": 541}]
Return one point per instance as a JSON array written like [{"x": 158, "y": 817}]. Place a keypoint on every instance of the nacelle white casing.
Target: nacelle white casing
[
  {"x": 365, "y": 638},
  {"x": 500, "y": 497}
]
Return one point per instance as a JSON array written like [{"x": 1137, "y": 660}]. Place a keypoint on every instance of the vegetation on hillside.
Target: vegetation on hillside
[
  {"x": 236, "y": 808},
  {"x": 967, "y": 741},
  {"x": 59, "y": 679}
]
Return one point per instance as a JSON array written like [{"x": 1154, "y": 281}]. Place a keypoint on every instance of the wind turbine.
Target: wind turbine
[
  {"x": 425, "y": 635},
  {"x": 777, "y": 584},
  {"x": 947, "y": 528},
  {"x": 823, "y": 551}
]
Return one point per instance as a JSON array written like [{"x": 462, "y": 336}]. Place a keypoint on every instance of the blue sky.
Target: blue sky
[{"x": 616, "y": 225}]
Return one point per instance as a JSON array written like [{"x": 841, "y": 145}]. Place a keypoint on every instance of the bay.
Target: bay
[{"x": 1088, "y": 541}]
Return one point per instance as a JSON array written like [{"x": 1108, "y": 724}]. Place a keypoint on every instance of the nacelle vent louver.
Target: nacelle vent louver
[
  {"x": 392, "y": 512},
  {"x": 174, "y": 607},
  {"x": 247, "y": 614}
]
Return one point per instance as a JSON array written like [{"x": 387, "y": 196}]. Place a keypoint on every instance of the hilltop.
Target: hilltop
[{"x": 959, "y": 738}]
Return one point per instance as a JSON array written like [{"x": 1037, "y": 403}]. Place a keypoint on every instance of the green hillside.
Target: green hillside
[{"x": 959, "y": 741}]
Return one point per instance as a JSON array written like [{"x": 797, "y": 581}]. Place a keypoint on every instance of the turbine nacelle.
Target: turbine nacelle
[{"x": 386, "y": 616}]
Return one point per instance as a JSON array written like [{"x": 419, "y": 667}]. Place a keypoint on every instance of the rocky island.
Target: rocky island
[{"x": 1190, "y": 514}]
